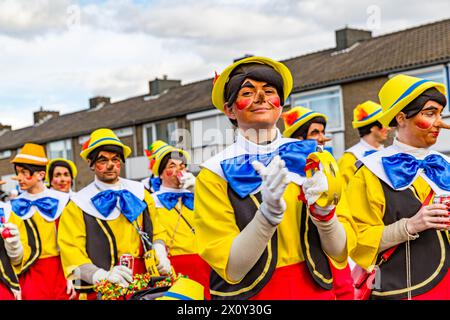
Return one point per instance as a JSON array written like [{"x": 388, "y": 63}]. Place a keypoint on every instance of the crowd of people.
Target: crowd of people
[{"x": 272, "y": 216}]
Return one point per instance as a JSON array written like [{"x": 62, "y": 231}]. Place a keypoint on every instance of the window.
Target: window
[
  {"x": 435, "y": 73},
  {"x": 327, "y": 101},
  {"x": 60, "y": 149},
  {"x": 211, "y": 132},
  {"x": 160, "y": 131},
  {"x": 5, "y": 154}
]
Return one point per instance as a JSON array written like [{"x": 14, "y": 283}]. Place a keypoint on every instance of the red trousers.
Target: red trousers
[
  {"x": 44, "y": 280},
  {"x": 5, "y": 293},
  {"x": 293, "y": 283},
  {"x": 193, "y": 266},
  {"x": 342, "y": 283}
]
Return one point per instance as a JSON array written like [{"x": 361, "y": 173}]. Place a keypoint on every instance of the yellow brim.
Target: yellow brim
[
  {"x": 126, "y": 149},
  {"x": 155, "y": 168},
  {"x": 290, "y": 131},
  {"x": 218, "y": 98}
]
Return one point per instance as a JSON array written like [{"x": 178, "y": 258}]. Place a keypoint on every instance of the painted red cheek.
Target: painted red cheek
[
  {"x": 118, "y": 166},
  {"x": 275, "y": 101},
  {"x": 29, "y": 178},
  {"x": 423, "y": 124},
  {"x": 241, "y": 104},
  {"x": 100, "y": 167},
  {"x": 170, "y": 172}
]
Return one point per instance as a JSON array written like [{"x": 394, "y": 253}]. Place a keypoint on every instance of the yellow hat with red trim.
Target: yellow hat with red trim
[
  {"x": 156, "y": 152},
  {"x": 72, "y": 166},
  {"x": 31, "y": 153},
  {"x": 220, "y": 81},
  {"x": 399, "y": 91},
  {"x": 102, "y": 137},
  {"x": 296, "y": 117},
  {"x": 366, "y": 113},
  {"x": 184, "y": 289}
]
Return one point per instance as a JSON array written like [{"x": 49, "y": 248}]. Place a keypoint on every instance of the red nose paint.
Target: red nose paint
[
  {"x": 241, "y": 104},
  {"x": 275, "y": 101},
  {"x": 423, "y": 124}
]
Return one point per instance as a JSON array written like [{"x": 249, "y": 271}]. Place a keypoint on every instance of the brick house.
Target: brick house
[{"x": 332, "y": 81}]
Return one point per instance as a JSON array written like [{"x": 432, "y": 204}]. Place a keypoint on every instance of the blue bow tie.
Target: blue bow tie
[
  {"x": 130, "y": 205},
  {"x": 170, "y": 199},
  {"x": 244, "y": 179},
  {"x": 329, "y": 149},
  {"x": 369, "y": 152},
  {"x": 401, "y": 169},
  {"x": 155, "y": 182},
  {"x": 47, "y": 206}
]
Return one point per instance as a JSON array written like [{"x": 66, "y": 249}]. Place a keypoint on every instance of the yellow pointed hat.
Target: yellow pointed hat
[
  {"x": 296, "y": 117},
  {"x": 72, "y": 166},
  {"x": 184, "y": 289},
  {"x": 31, "y": 153},
  {"x": 156, "y": 152},
  {"x": 366, "y": 113},
  {"x": 101, "y": 137},
  {"x": 399, "y": 91},
  {"x": 218, "y": 92}
]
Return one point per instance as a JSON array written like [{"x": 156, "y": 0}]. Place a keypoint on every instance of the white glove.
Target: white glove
[
  {"x": 163, "y": 266},
  {"x": 13, "y": 246},
  {"x": 274, "y": 182},
  {"x": 118, "y": 274},
  {"x": 313, "y": 187},
  {"x": 187, "y": 180}
]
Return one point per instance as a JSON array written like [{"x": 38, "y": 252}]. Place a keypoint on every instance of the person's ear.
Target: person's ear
[
  {"x": 229, "y": 112},
  {"x": 401, "y": 118}
]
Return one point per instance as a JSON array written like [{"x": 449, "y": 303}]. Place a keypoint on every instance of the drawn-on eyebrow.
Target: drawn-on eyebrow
[
  {"x": 247, "y": 84},
  {"x": 430, "y": 108}
]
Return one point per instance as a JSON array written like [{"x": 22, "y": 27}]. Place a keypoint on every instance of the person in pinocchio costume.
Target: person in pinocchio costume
[
  {"x": 392, "y": 196},
  {"x": 60, "y": 175},
  {"x": 303, "y": 123},
  {"x": 248, "y": 218},
  {"x": 372, "y": 133},
  {"x": 174, "y": 205},
  {"x": 110, "y": 217},
  {"x": 9, "y": 245},
  {"x": 36, "y": 213}
]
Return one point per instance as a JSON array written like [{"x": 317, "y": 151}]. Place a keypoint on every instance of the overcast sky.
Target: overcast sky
[{"x": 59, "y": 53}]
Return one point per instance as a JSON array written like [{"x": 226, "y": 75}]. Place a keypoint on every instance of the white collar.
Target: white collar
[
  {"x": 83, "y": 197},
  {"x": 374, "y": 164},
  {"x": 360, "y": 148},
  {"x": 63, "y": 199},
  {"x": 244, "y": 146},
  {"x": 418, "y": 153}
]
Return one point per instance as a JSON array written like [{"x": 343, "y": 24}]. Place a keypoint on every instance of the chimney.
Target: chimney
[
  {"x": 158, "y": 86},
  {"x": 43, "y": 115},
  {"x": 347, "y": 37},
  {"x": 96, "y": 101}
]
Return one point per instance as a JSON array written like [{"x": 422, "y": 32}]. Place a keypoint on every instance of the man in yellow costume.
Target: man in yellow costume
[
  {"x": 372, "y": 133},
  {"x": 36, "y": 212},
  {"x": 392, "y": 196},
  {"x": 109, "y": 218},
  {"x": 175, "y": 208},
  {"x": 305, "y": 124},
  {"x": 249, "y": 222}
]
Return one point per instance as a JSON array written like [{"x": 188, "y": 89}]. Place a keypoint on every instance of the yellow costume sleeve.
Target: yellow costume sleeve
[
  {"x": 367, "y": 205},
  {"x": 159, "y": 232},
  {"x": 347, "y": 167},
  {"x": 214, "y": 221},
  {"x": 72, "y": 239}
]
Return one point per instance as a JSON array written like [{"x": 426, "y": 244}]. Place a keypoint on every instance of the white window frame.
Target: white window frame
[
  {"x": 441, "y": 67},
  {"x": 66, "y": 151},
  {"x": 5, "y": 154},
  {"x": 153, "y": 126},
  {"x": 302, "y": 94}
]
